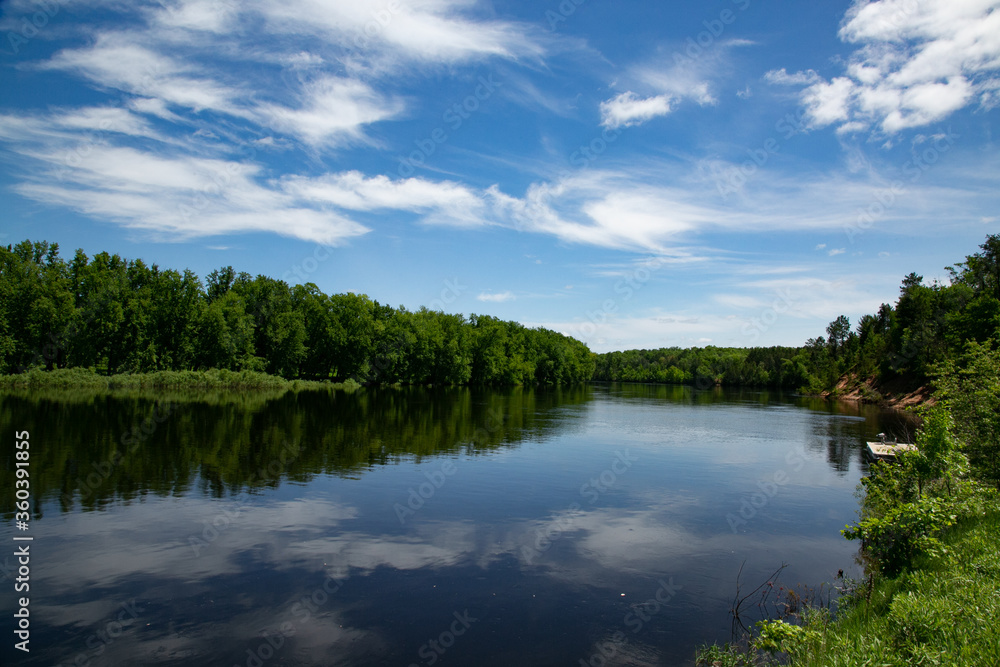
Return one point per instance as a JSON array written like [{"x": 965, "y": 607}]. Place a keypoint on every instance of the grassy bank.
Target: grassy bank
[
  {"x": 943, "y": 611},
  {"x": 929, "y": 527},
  {"x": 74, "y": 378}
]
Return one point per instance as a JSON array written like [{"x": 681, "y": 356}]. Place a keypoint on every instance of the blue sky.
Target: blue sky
[{"x": 635, "y": 174}]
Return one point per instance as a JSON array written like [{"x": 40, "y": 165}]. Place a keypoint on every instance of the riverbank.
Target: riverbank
[
  {"x": 897, "y": 393},
  {"x": 929, "y": 527},
  {"x": 943, "y": 611},
  {"x": 82, "y": 378}
]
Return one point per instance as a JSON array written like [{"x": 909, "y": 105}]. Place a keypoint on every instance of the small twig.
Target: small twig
[{"x": 738, "y": 600}]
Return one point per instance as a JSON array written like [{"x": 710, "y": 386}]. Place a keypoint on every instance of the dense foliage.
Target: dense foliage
[
  {"x": 897, "y": 346},
  {"x": 753, "y": 367},
  {"x": 122, "y": 316},
  {"x": 929, "y": 325},
  {"x": 929, "y": 527}
]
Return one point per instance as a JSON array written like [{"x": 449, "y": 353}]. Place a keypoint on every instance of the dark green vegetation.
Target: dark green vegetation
[
  {"x": 124, "y": 444},
  {"x": 120, "y": 316},
  {"x": 732, "y": 366},
  {"x": 893, "y": 349},
  {"x": 929, "y": 527},
  {"x": 82, "y": 378}
]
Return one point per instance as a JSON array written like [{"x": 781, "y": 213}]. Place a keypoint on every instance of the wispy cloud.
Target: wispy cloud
[
  {"x": 665, "y": 81},
  {"x": 333, "y": 110},
  {"x": 500, "y": 297},
  {"x": 431, "y": 31}
]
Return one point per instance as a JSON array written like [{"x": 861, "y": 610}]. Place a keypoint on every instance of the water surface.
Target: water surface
[{"x": 421, "y": 526}]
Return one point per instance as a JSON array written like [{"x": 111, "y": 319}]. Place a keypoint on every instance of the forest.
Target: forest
[
  {"x": 121, "y": 316},
  {"x": 899, "y": 345}
]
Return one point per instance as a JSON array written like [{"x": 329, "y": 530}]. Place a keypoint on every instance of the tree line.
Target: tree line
[
  {"x": 903, "y": 344},
  {"x": 122, "y": 316}
]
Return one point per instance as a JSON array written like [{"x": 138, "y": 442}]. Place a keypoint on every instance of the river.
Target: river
[{"x": 597, "y": 525}]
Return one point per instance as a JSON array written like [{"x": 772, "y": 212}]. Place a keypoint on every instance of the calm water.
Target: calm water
[{"x": 419, "y": 527}]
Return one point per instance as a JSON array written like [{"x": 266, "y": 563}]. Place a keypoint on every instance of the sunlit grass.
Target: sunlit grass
[{"x": 942, "y": 612}]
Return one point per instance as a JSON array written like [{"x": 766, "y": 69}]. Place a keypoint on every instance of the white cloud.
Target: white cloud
[
  {"x": 828, "y": 103},
  {"x": 167, "y": 193},
  {"x": 432, "y": 31},
  {"x": 88, "y": 124},
  {"x": 833, "y": 252},
  {"x": 781, "y": 77},
  {"x": 333, "y": 110},
  {"x": 820, "y": 246},
  {"x": 187, "y": 56},
  {"x": 501, "y": 297},
  {"x": 916, "y": 63},
  {"x": 628, "y": 109},
  {"x": 444, "y": 202},
  {"x": 666, "y": 82},
  {"x": 199, "y": 15},
  {"x": 119, "y": 61}
]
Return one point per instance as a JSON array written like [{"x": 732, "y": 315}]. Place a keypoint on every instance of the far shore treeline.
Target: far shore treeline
[{"x": 120, "y": 316}]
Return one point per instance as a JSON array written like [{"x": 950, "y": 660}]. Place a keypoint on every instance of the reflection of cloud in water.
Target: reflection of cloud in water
[
  {"x": 144, "y": 548},
  {"x": 630, "y": 652},
  {"x": 148, "y": 539},
  {"x": 440, "y": 544}
]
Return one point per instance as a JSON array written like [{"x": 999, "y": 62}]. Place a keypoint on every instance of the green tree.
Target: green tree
[{"x": 970, "y": 389}]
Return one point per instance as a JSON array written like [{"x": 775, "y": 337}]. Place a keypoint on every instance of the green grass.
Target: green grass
[
  {"x": 81, "y": 378},
  {"x": 944, "y": 611}
]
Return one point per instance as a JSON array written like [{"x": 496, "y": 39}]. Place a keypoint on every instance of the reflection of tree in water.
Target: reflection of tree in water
[
  {"x": 838, "y": 440},
  {"x": 95, "y": 448},
  {"x": 841, "y": 439}
]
